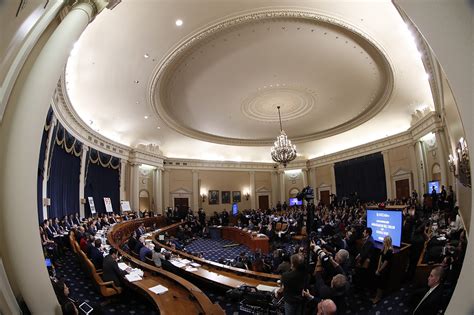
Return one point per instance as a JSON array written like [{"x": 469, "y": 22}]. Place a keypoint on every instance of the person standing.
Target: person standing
[
  {"x": 383, "y": 270},
  {"x": 292, "y": 285}
]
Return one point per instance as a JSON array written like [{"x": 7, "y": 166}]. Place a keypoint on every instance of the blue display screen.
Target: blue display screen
[
  {"x": 295, "y": 202},
  {"x": 434, "y": 184},
  {"x": 235, "y": 209},
  {"x": 384, "y": 223}
]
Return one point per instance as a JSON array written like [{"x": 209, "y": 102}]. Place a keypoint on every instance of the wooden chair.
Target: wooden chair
[
  {"x": 105, "y": 288},
  {"x": 301, "y": 236}
]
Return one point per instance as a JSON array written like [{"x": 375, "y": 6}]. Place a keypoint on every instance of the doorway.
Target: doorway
[
  {"x": 182, "y": 204},
  {"x": 324, "y": 197},
  {"x": 402, "y": 189},
  {"x": 263, "y": 202}
]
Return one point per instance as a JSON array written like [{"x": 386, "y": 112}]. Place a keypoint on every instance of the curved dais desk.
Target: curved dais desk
[{"x": 182, "y": 297}]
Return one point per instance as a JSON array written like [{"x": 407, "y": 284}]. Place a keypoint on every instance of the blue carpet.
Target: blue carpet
[{"x": 215, "y": 250}]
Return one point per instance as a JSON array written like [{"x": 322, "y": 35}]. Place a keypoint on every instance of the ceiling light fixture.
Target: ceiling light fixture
[
  {"x": 146, "y": 117},
  {"x": 283, "y": 151},
  {"x": 179, "y": 22}
]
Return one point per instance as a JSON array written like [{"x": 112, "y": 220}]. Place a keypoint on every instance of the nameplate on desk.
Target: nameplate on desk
[{"x": 159, "y": 289}]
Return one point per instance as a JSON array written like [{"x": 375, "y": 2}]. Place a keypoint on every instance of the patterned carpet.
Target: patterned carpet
[{"x": 214, "y": 249}]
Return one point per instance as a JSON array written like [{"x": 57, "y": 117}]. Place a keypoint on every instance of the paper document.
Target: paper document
[
  {"x": 191, "y": 269},
  {"x": 133, "y": 277},
  {"x": 267, "y": 288},
  {"x": 177, "y": 263},
  {"x": 195, "y": 264},
  {"x": 122, "y": 265},
  {"x": 159, "y": 289},
  {"x": 185, "y": 261}
]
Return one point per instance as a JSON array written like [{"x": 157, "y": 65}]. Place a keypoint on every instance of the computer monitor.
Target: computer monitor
[
  {"x": 235, "y": 209},
  {"x": 435, "y": 184},
  {"x": 295, "y": 202},
  {"x": 385, "y": 222}
]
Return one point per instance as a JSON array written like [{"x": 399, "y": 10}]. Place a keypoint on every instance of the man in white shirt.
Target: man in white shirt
[{"x": 432, "y": 300}]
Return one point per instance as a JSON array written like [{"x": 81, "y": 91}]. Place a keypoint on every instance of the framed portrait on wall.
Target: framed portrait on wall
[
  {"x": 213, "y": 197},
  {"x": 236, "y": 196},
  {"x": 225, "y": 196}
]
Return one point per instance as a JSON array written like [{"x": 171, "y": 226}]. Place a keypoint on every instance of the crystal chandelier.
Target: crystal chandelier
[{"x": 283, "y": 151}]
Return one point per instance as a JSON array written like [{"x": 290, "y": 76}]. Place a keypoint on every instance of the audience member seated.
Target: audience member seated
[{"x": 431, "y": 301}]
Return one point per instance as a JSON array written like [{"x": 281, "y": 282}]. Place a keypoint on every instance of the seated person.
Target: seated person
[
  {"x": 432, "y": 301},
  {"x": 157, "y": 256},
  {"x": 96, "y": 255},
  {"x": 145, "y": 251},
  {"x": 111, "y": 270}
]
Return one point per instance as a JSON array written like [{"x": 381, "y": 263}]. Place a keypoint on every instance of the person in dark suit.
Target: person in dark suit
[
  {"x": 96, "y": 255},
  {"x": 432, "y": 301},
  {"x": 364, "y": 258},
  {"x": 111, "y": 270},
  {"x": 292, "y": 285}
]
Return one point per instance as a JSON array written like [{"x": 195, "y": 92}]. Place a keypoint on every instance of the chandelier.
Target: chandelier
[{"x": 283, "y": 151}]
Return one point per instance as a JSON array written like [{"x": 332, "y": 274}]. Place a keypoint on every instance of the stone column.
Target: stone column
[
  {"x": 275, "y": 194},
  {"x": 158, "y": 190},
  {"x": 195, "y": 190},
  {"x": 252, "y": 192},
  {"x": 442, "y": 152},
  {"x": 421, "y": 167},
  {"x": 414, "y": 166},
  {"x": 333, "y": 180},
  {"x": 305, "y": 177},
  {"x": 282, "y": 186},
  {"x": 135, "y": 186},
  {"x": 166, "y": 189},
  {"x": 49, "y": 147},
  {"x": 82, "y": 180},
  {"x": 24, "y": 260},
  {"x": 388, "y": 175}
]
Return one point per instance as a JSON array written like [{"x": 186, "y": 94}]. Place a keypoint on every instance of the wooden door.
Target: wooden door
[
  {"x": 324, "y": 197},
  {"x": 182, "y": 204},
  {"x": 263, "y": 202},
  {"x": 403, "y": 189}
]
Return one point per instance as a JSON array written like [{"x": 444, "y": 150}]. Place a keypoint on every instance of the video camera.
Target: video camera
[{"x": 306, "y": 194}]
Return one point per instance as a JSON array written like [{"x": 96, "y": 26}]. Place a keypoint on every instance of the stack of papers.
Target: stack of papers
[
  {"x": 185, "y": 261},
  {"x": 133, "y": 277},
  {"x": 191, "y": 269},
  {"x": 177, "y": 263},
  {"x": 122, "y": 265},
  {"x": 159, "y": 289},
  {"x": 195, "y": 264}
]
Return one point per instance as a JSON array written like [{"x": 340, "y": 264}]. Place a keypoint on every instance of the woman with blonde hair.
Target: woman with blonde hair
[{"x": 383, "y": 270}]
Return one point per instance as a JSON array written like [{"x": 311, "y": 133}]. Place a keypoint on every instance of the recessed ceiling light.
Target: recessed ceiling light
[
  {"x": 158, "y": 127},
  {"x": 146, "y": 55},
  {"x": 146, "y": 117},
  {"x": 136, "y": 81},
  {"x": 137, "y": 102},
  {"x": 179, "y": 22}
]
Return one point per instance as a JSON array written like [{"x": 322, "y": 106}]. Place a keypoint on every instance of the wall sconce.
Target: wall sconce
[
  {"x": 247, "y": 196},
  {"x": 452, "y": 164},
  {"x": 464, "y": 169},
  {"x": 203, "y": 197}
]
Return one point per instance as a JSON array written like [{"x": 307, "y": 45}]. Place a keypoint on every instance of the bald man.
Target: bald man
[
  {"x": 326, "y": 307},
  {"x": 432, "y": 300}
]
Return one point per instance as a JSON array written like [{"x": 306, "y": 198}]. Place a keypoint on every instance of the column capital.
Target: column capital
[{"x": 93, "y": 7}]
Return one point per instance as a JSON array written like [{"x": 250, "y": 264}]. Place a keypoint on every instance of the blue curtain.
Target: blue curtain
[
  {"x": 42, "y": 156},
  {"x": 64, "y": 172},
  {"x": 102, "y": 180},
  {"x": 364, "y": 175}
]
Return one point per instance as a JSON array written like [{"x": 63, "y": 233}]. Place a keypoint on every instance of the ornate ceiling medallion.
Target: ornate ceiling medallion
[{"x": 173, "y": 99}]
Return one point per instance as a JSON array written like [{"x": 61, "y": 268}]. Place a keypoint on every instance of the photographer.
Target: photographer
[
  {"x": 292, "y": 284},
  {"x": 331, "y": 266}
]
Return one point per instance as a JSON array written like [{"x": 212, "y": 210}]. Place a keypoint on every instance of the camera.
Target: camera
[{"x": 306, "y": 194}]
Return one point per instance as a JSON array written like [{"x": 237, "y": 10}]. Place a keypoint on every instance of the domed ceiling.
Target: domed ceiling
[{"x": 343, "y": 73}]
